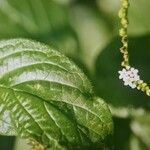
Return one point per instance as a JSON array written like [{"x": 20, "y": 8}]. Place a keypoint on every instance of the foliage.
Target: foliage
[
  {"x": 45, "y": 97},
  {"x": 86, "y": 31}
]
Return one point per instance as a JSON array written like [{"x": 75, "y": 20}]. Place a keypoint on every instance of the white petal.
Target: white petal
[
  {"x": 120, "y": 72},
  {"x": 127, "y": 82},
  {"x": 136, "y": 78},
  {"x": 120, "y": 77},
  {"x": 136, "y": 71},
  {"x": 124, "y": 70},
  {"x": 132, "y": 69},
  {"x": 133, "y": 86}
]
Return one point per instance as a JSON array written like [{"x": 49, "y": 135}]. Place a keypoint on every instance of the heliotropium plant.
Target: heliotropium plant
[{"x": 46, "y": 98}]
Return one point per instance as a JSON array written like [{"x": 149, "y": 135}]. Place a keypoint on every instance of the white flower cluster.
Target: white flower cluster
[{"x": 129, "y": 75}]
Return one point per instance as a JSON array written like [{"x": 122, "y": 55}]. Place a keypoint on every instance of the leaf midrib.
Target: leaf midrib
[{"x": 58, "y": 101}]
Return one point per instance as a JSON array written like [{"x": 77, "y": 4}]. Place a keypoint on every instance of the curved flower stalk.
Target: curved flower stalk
[{"x": 128, "y": 74}]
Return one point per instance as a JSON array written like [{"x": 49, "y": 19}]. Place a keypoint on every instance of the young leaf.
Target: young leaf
[{"x": 46, "y": 97}]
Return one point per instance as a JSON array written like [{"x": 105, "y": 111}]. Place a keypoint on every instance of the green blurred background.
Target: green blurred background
[{"x": 87, "y": 32}]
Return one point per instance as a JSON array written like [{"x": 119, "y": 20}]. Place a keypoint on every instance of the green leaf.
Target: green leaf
[
  {"x": 141, "y": 129},
  {"x": 138, "y": 15},
  {"x": 46, "y": 97},
  {"x": 64, "y": 2},
  {"x": 43, "y": 20},
  {"x": 94, "y": 40},
  {"x": 107, "y": 81},
  {"x": 135, "y": 143},
  {"x": 32, "y": 19}
]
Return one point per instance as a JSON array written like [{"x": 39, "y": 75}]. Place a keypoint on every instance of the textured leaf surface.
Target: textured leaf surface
[{"x": 44, "y": 96}]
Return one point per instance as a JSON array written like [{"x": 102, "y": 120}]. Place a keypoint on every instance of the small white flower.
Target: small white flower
[
  {"x": 129, "y": 75},
  {"x": 122, "y": 74}
]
